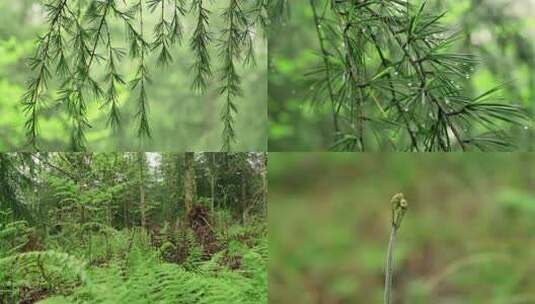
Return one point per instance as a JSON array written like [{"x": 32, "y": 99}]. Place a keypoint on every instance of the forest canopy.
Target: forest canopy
[{"x": 133, "y": 228}]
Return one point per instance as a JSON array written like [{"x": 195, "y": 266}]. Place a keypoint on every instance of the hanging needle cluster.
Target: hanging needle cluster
[
  {"x": 391, "y": 81},
  {"x": 79, "y": 42}
]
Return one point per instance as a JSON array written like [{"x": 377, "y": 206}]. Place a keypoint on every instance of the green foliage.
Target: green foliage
[
  {"x": 134, "y": 274},
  {"x": 83, "y": 76},
  {"x": 95, "y": 234},
  {"x": 14, "y": 234},
  {"x": 391, "y": 76}
]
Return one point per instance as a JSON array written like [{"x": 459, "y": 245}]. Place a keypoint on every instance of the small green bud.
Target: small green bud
[
  {"x": 399, "y": 207},
  {"x": 396, "y": 199}
]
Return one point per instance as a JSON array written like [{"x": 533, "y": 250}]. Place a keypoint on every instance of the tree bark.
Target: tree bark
[
  {"x": 189, "y": 181},
  {"x": 212, "y": 181},
  {"x": 141, "y": 160}
]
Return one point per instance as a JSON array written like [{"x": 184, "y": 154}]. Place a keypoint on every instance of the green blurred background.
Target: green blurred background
[
  {"x": 180, "y": 119},
  {"x": 500, "y": 32},
  {"x": 468, "y": 236}
]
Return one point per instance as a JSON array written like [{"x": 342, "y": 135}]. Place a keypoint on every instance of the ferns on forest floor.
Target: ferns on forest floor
[
  {"x": 85, "y": 239},
  {"x": 136, "y": 273}
]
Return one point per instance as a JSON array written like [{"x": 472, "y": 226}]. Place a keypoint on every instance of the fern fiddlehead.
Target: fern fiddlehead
[{"x": 399, "y": 207}]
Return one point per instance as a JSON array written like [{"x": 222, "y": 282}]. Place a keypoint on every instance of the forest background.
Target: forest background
[{"x": 133, "y": 228}]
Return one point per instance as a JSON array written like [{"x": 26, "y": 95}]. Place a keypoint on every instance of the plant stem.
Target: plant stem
[
  {"x": 399, "y": 207},
  {"x": 389, "y": 268}
]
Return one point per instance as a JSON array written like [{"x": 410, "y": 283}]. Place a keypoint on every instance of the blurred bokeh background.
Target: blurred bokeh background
[
  {"x": 500, "y": 32},
  {"x": 181, "y": 120},
  {"x": 468, "y": 237}
]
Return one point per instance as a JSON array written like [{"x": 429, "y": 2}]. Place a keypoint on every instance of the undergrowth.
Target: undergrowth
[{"x": 170, "y": 265}]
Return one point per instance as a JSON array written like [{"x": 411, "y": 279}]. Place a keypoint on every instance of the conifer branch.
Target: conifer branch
[
  {"x": 75, "y": 96},
  {"x": 162, "y": 33},
  {"x": 199, "y": 45},
  {"x": 41, "y": 63},
  {"x": 230, "y": 50},
  {"x": 393, "y": 76},
  {"x": 176, "y": 30},
  {"x": 327, "y": 66},
  {"x": 142, "y": 77},
  {"x": 88, "y": 31},
  {"x": 113, "y": 78}
]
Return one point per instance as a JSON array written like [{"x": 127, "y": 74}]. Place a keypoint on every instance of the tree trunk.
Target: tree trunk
[
  {"x": 189, "y": 181},
  {"x": 142, "y": 207},
  {"x": 212, "y": 183},
  {"x": 125, "y": 212},
  {"x": 109, "y": 213},
  {"x": 263, "y": 172},
  {"x": 243, "y": 198}
]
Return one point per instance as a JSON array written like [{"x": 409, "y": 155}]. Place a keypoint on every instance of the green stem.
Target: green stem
[
  {"x": 389, "y": 268},
  {"x": 399, "y": 208}
]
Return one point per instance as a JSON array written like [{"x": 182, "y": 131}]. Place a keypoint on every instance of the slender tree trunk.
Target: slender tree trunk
[
  {"x": 189, "y": 181},
  {"x": 141, "y": 189},
  {"x": 263, "y": 173},
  {"x": 109, "y": 213},
  {"x": 212, "y": 182},
  {"x": 125, "y": 213},
  {"x": 243, "y": 197}
]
